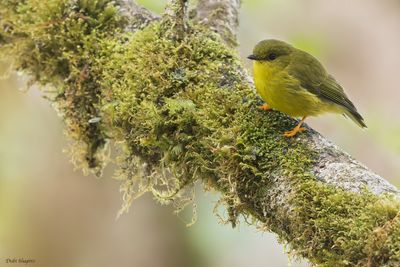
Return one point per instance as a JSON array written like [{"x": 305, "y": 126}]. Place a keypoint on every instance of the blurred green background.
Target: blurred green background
[{"x": 52, "y": 214}]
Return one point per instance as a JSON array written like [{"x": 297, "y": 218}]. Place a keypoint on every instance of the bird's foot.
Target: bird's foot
[
  {"x": 293, "y": 132},
  {"x": 265, "y": 107}
]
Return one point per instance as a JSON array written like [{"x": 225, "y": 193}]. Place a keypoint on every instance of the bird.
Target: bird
[{"x": 294, "y": 82}]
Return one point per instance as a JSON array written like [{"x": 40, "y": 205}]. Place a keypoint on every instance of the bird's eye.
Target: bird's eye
[{"x": 272, "y": 56}]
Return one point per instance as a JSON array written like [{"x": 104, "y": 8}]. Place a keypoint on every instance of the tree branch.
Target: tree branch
[
  {"x": 176, "y": 17},
  {"x": 221, "y": 16},
  {"x": 186, "y": 111},
  {"x": 338, "y": 169},
  {"x": 138, "y": 17}
]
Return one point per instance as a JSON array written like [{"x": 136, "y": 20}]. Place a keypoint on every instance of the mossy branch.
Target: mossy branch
[
  {"x": 221, "y": 16},
  {"x": 181, "y": 112},
  {"x": 176, "y": 18}
]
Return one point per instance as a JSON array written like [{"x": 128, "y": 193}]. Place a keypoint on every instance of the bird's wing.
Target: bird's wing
[
  {"x": 332, "y": 91},
  {"x": 314, "y": 78}
]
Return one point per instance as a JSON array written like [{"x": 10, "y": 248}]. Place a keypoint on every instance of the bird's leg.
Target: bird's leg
[
  {"x": 265, "y": 107},
  {"x": 296, "y": 129}
]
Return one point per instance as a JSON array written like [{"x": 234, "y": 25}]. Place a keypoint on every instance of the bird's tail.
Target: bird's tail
[{"x": 356, "y": 117}]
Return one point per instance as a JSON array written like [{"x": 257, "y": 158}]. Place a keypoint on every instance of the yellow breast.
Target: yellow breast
[
  {"x": 284, "y": 93},
  {"x": 263, "y": 79}
]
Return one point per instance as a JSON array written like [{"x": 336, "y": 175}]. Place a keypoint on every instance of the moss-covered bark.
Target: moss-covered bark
[
  {"x": 181, "y": 110},
  {"x": 56, "y": 43}
]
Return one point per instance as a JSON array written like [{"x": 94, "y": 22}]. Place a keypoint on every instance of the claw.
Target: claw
[{"x": 296, "y": 130}]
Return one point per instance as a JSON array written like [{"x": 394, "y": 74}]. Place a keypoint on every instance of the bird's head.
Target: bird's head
[{"x": 272, "y": 52}]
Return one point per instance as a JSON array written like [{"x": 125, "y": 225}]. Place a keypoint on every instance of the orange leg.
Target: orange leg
[
  {"x": 265, "y": 107},
  {"x": 296, "y": 129}
]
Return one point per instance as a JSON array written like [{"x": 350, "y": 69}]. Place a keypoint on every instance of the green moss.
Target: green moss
[
  {"x": 180, "y": 112},
  {"x": 343, "y": 229},
  {"x": 56, "y": 43},
  {"x": 171, "y": 107}
]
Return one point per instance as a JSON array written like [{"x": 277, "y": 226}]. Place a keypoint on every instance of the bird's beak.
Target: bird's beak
[{"x": 252, "y": 57}]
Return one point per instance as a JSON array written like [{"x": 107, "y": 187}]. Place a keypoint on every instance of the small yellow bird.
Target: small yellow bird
[{"x": 294, "y": 82}]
